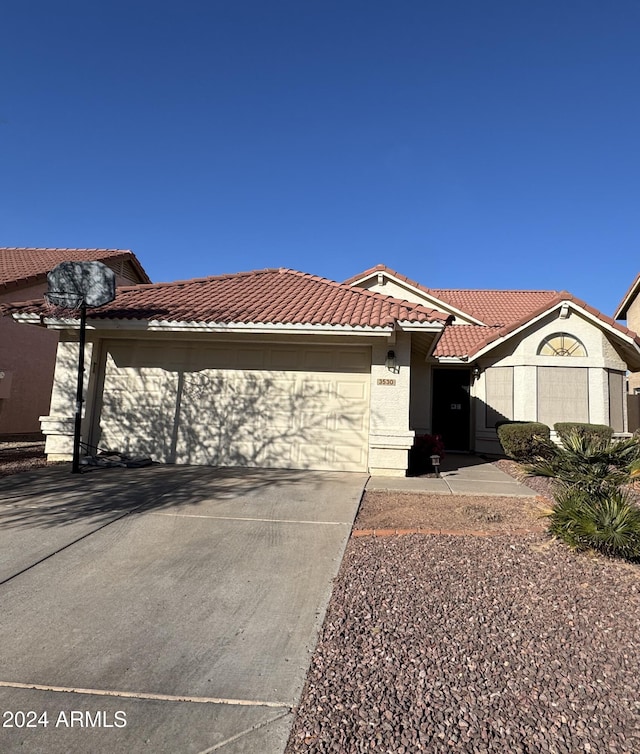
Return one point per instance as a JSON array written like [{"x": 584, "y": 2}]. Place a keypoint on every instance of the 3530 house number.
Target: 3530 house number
[{"x": 386, "y": 381}]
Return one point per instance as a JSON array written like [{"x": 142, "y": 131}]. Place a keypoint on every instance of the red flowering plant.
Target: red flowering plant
[{"x": 424, "y": 446}]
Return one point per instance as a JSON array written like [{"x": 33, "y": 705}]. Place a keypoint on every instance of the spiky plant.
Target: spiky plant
[
  {"x": 591, "y": 511},
  {"x": 593, "y": 463},
  {"x": 608, "y": 523}
]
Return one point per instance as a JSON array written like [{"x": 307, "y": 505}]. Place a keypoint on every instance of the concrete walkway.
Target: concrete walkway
[{"x": 460, "y": 474}]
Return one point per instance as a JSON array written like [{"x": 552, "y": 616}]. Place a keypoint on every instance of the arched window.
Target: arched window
[{"x": 561, "y": 344}]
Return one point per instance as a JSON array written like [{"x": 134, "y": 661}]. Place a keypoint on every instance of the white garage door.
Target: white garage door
[{"x": 284, "y": 407}]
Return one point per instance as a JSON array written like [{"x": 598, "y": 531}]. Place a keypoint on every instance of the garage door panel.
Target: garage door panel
[
  {"x": 350, "y": 422},
  {"x": 317, "y": 359},
  {"x": 284, "y": 359},
  {"x": 353, "y": 360},
  {"x": 351, "y": 391},
  {"x": 222, "y": 414},
  {"x": 250, "y": 359},
  {"x": 348, "y": 455}
]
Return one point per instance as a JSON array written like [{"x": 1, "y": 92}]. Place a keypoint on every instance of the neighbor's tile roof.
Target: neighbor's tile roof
[
  {"x": 274, "y": 296},
  {"x": 24, "y": 266}
]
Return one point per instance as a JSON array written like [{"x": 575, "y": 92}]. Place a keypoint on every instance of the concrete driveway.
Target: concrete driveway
[{"x": 167, "y": 609}]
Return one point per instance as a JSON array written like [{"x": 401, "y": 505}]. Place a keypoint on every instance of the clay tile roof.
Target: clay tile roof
[
  {"x": 459, "y": 341},
  {"x": 24, "y": 266},
  {"x": 273, "y": 296},
  {"x": 494, "y": 333},
  {"x": 503, "y": 311},
  {"x": 495, "y": 307},
  {"x": 492, "y": 307}
]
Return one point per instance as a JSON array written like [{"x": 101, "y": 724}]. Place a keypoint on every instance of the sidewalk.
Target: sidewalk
[{"x": 460, "y": 474}]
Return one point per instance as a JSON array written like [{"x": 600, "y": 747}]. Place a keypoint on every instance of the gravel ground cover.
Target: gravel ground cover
[
  {"x": 476, "y": 645},
  {"x": 21, "y": 456}
]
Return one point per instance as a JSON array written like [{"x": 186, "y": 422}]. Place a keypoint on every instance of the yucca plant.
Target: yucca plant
[
  {"x": 591, "y": 511},
  {"x": 593, "y": 463},
  {"x": 607, "y": 523}
]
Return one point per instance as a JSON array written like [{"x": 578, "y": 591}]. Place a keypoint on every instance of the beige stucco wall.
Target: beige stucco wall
[
  {"x": 58, "y": 424},
  {"x": 522, "y": 356},
  {"x": 420, "y": 409},
  {"x": 633, "y": 323},
  {"x": 389, "y": 436}
]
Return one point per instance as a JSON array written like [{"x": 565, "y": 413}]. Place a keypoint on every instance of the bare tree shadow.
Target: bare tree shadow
[
  {"x": 53, "y": 496},
  {"x": 209, "y": 417},
  {"x": 214, "y": 436}
]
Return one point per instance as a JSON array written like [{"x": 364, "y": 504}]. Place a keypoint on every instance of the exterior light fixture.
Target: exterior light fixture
[
  {"x": 475, "y": 372},
  {"x": 390, "y": 361},
  {"x": 435, "y": 462}
]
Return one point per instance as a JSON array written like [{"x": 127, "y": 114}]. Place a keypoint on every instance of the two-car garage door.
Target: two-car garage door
[{"x": 278, "y": 406}]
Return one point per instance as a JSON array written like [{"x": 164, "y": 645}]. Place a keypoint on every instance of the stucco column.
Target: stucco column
[
  {"x": 389, "y": 435},
  {"x": 58, "y": 426},
  {"x": 598, "y": 396},
  {"x": 525, "y": 393}
]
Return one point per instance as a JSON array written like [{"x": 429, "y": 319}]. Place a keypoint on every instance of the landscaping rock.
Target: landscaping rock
[{"x": 475, "y": 644}]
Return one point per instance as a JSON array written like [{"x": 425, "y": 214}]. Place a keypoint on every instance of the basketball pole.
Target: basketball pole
[{"x": 75, "y": 466}]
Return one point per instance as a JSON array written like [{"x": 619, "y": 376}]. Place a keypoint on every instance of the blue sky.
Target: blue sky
[{"x": 465, "y": 144}]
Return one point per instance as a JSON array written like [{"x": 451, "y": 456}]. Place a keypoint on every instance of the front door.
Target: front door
[{"x": 452, "y": 407}]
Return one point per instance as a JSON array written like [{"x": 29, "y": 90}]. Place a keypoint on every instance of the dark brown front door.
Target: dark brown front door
[{"x": 452, "y": 407}]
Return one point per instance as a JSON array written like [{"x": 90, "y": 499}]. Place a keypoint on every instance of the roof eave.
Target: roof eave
[
  {"x": 417, "y": 288},
  {"x": 630, "y": 339},
  {"x": 154, "y": 325},
  {"x": 627, "y": 300}
]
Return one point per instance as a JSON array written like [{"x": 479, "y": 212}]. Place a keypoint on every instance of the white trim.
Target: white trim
[
  {"x": 67, "y": 323},
  {"x": 407, "y": 326},
  {"x": 452, "y": 360},
  {"x": 571, "y": 305},
  {"x": 437, "y": 303},
  {"x": 29, "y": 319},
  {"x": 627, "y": 301}
]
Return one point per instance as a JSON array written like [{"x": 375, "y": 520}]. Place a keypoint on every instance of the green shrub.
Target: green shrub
[
  {"x": 581, "y": 428},
  {"x": 609, "y": 523},
  {"x": 595, "y": 464},
  {"x": 524, "y": 441}
]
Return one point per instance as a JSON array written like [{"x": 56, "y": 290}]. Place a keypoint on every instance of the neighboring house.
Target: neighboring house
[
  {"x": 27, "y": 355},
  {"x": 278, "y": 368},
  {"x": 629, "y": 310}
]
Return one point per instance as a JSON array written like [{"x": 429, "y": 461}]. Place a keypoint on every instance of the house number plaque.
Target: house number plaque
[{"x": 386, "y": 381}]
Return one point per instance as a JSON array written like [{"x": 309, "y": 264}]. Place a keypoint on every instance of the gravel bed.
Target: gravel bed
[
  {"x": 478, "y": 645},
  {"x": 16, "y": 457},
  {"x": 542, "y": 485}
]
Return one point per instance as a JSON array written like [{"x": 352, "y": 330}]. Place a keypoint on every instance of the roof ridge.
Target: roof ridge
[
  {"x": 65, "y": 248},
  {"x": 287, "y": 270},
  {"x": 497, "y": 290},
  {"x": 206, "y": 279}
]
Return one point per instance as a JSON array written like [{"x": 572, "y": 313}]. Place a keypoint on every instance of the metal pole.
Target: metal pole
[{"x": 75, "y": 466}]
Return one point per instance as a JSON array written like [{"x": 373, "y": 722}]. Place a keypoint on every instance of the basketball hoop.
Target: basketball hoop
[
  {"x": 75, "y": 286},
  {"x": 58, "y": 303}
]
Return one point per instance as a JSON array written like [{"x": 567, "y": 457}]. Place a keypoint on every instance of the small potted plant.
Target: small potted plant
[{"x": 425, "y": 446}]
